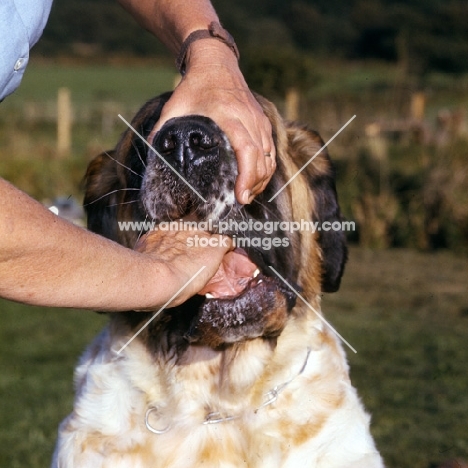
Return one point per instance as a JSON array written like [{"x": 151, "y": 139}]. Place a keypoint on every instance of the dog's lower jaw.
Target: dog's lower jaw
[{"x": 260, "y": 311}]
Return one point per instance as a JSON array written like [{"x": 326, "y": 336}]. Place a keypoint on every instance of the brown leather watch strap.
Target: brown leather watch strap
[{"x": 214, "y": 31}]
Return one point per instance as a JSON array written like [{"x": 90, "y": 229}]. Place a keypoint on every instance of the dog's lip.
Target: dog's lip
[{"x": 235, "y": 274}]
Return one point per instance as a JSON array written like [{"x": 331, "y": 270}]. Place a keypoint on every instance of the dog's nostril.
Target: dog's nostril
[
  {"x": 169, "y": 143},
  {"x": 195, "y": 139},
  {"x": 200, "y": 140}
]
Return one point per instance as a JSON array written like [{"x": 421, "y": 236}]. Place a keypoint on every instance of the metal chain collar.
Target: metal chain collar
[{"x": 216, "y": 417}]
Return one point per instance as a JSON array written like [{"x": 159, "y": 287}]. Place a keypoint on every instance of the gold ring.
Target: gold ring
[{"x": 268, "y": 155}]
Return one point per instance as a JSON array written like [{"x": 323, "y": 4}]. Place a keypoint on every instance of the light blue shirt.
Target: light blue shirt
[{"x": 21, "y": 26}]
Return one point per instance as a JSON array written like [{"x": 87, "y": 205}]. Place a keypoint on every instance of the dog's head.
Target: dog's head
[{"x": 281, "y": 246}]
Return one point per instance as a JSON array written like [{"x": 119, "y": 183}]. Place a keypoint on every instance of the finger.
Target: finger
[
  {"x": 270, "y": 164},
  {"x": 248, "y": 155},
  {"x": 266, "y": 163},
  {"x": 225, "y": 242},
  {"x": 265, "y": 170},
  {"x": 269, "y": 150},
  {"x": 210, "y": 258},
  {"x": 245, "y": 187}
]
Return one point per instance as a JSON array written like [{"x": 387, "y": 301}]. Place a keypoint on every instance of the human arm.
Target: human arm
[
  {"x": 213, "y": 85},
  {"x": 45, "y": 260}
]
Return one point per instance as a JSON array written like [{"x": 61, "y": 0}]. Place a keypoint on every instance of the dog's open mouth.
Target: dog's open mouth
[
  {"x": 235, "y": 274},
  {"x": 240, "y": 302}
]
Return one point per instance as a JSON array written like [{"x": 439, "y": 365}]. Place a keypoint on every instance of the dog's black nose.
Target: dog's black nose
[{"x": 188, "y": 142}]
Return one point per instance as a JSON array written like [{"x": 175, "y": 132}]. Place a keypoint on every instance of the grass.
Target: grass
[
  {"x": 405, "y": 312},
  {"x": 407, "y": 315},
  {"x": 38, "y": 350},
  {"x": 128, "y": 84}
]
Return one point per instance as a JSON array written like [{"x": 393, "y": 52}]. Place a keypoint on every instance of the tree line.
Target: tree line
[{"x": 419, "y": 35}]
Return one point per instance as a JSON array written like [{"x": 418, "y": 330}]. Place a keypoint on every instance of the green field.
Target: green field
[
  {"x": 406, "y": 313},
  {"x": 122, "y": 83},
  {"x": 38, "y": 349}
]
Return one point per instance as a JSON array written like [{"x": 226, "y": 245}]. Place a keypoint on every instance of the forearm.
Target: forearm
[
  {"x": 171, "y": 20},
  {"x": 45, "y": 260}
]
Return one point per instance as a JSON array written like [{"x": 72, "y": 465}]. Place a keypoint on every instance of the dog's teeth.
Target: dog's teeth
[
  {"x": 256, "y": 273},
  {"x": 209, "y": 296},
  {"x": 260, "y": 281}
]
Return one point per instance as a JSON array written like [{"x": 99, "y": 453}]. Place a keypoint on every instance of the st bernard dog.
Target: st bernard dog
[{"x": 252, "y": 378}]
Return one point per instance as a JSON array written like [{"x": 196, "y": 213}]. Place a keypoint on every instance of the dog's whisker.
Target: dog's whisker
[
  {"x": 141, "y": 232},
  {"x": 227, "y": 214},
  {"x": 146, "y": 212},
  {"x": 138, "y": 153},
  {"x": 266, "y": 208},
  {"x": 245, "y": 217},
  {"x": 111, "y": 193},
  {"x": 123, "y": 203},
  {"x": 123, "y": 165}
]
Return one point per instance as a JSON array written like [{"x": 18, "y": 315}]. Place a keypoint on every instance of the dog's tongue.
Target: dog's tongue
[{"x": 232, "y": 277}]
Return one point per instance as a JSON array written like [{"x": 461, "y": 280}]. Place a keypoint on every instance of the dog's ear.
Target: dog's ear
[
  {"x": 332, "y": 242},
  {"x": 113, "y": 178},
  {"x": 145, "y": 119},
  {"x": 306, "y": 145}
]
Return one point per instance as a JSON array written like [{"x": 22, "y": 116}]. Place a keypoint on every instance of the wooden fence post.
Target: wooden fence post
[
  {"x": 64, "y": 121},
  {"x": 418, "y": 104},
  {"x": 292, "y": 104}
]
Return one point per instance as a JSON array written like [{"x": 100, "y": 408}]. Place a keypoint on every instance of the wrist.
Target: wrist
[
  {"x": 211, "y": 57},
  {"x": 218, "y": 39}
]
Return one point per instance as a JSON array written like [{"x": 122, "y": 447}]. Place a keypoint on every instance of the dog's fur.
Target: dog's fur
[{"x": 264, "y": 363}]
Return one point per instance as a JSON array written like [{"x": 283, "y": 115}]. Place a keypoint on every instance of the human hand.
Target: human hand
[
  {"x": 213, "y": 86},
  {"x": 180, "y": 255}
]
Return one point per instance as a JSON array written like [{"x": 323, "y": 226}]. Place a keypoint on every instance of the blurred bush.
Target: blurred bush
[
  {"x": 415, "y": 198},
  {"x": 272, "y": 71}
]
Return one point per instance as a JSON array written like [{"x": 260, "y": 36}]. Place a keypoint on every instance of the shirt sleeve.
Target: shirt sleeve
[{"x": 21, "y": 26}]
